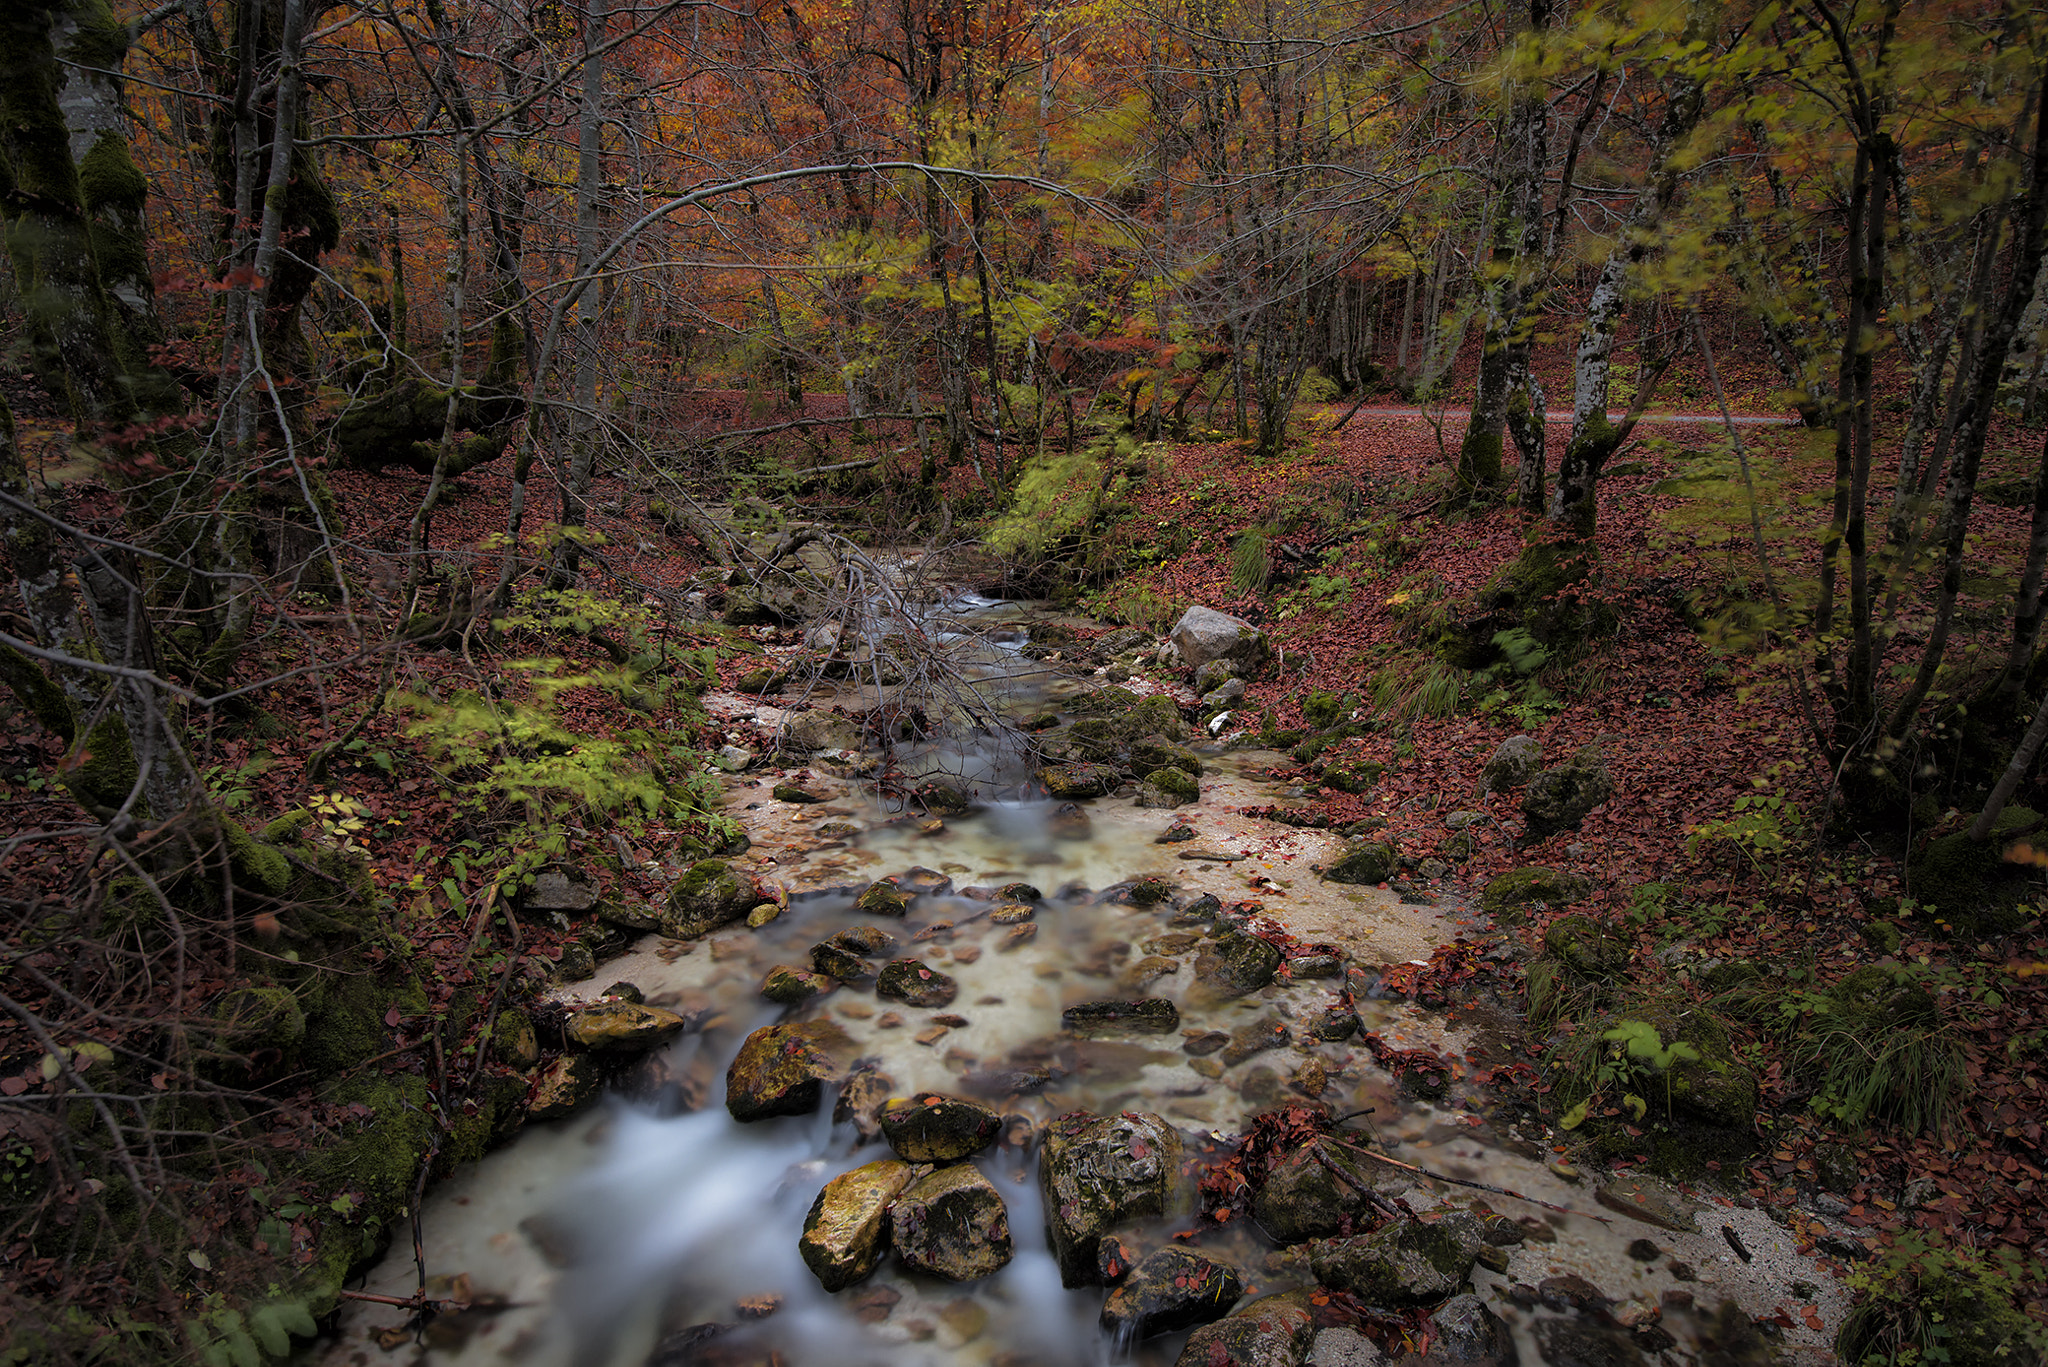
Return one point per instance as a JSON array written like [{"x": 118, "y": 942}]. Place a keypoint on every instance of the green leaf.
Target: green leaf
[
  {"x": 199, "y": 1260},
  {"x": 1635, "y": 1104},
  {"x": 264, "y": 1322},
  {"x": 1572, "y": 1119}
]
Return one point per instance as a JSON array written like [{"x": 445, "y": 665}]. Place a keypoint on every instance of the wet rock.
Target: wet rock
[
  {"x": 1017, "y": 937},
  {"x": 837, "y": 961},
  {"x": 882, "y": 898},
  {"x": 1098, "y": 1172},
  {"x": 866, "y": 941},
  {"x": 789, "y": 792},
  {"x": 1312, "y": 1078},
  {"x": 513, "y": 1040},
  {"x": 1364, "y": 861},
  {"x": 1201, "y": 911},
  {"x": 782, "y": 1069},
  {"x": 1019, "y": 892},
  {"x": 565, "y": 1087},
  {"x": 944, "y": 797},
  {"x": 1343, "y": 1347},
  {"x": 847, "y": 1231},
  {"x": 915, "y": 984},
  {"x": 1227, "y": 694},
  {"x": 1173, "y": 1288},
  {"x": 1468, "y": 1334},
  {"x": 554, "y": 890},
  {"x": 734, "y": 759},
  {"x": 1404, "y": 1263},
  {"x": 861, "y": 1098},
  {"x": 1572, "y": 1292},
  {"x": 1071, "y": 782},
  {"x": 1319, "y": 1190},
  {"x": 1204, "y": 634},
  {"x": 1254, "y": 1037},
  {"x": 1175, "y": 834},
  {"x": 1236, "y": 963},
  {"x": 1309, "y": 966},
  {"x": 1651, "y": 1201},
  {"x": 1511, "y": 764},
  {"x": 709, "y": 895},
  {"x": 1580, "y": 1343},
  {"x": 1147, "y": 971},
  {"x": 1201, "y": 1043},
  {"x": 808, "y": 731},
  {"x": 951, "y": 1224},
  {"x": 629, "y": 917},
  {"x": 938, "y": 1129},
  {"x": 1168, "y": 787},
  {"x": 1559, "y": 798},
  {"x": 1275, "y": 1331},
  {"x": 1143, "y": 1016},
  {"x": 923, "y": 882},
  {"x": 624, "y": 1027},
  {"x": 1337, "y": 1021},
  {"x": 762, "y": 914},
  {"x": 1011, "y": 913},
  {"x": 1070, "y": 821},
  {"x": 789, "y": 986}
]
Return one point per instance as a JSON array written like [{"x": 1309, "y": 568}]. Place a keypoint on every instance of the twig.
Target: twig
[{"x": 1476, "y": 1186}]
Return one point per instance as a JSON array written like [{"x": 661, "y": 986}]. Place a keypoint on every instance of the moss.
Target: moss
[
  {"x": 345, "y": 1025},
  {"x": 375, "y": 1167},
  {"x": 261, "y": 1018},
  {"x": 286, "y": 828},
  {"x": 1323, "y": 709},
  {"x": 1155, "y": 752},
  {"x": 1969, "y": 885},
  {"x": 101, "y": 773},
  {"x": 1366, "y": 862},
  {"x": 256, "y": 865},
  {"x": 38, "y": 693},
  {"x": 1586, "y": 947},
  {"x": 1479, "y": 461},
  {"x": 1156, "y": 713},
  {"x": 1519, "y": 888},
  {"x": 1176, "y": 784},
  {"x": 491, "y": 1116}
]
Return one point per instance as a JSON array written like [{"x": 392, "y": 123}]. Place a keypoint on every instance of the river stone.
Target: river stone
[
  {"x": 1469, "y": 1335},
  {"x": 882, "y": 898},
  {"x": 789, "y": 792},
  {"x": 1559, "y": 797},
  {"x": 629, "y": 916},
  {"x": 1070, "y": 821},
  {"x": 1342, "y": 1346},
  {"x": 1512, "y": 763},
  {"x": 951, "y": 1224},
  {"x": 565, "y": 1087},
  {"x": 1236, "y": 963},
  {"x": 808, "y": 731},
  {"x": 1145, "y": 1016},
  {"x": 1275, "y": 1331},
  {"x": 709, "y": 895},
  {"x": 837, "y": 961},
  {"x": 1337, "y": 1021},
  {"x": 1098, "y": 1172},
  {"x": 783, "y": 1069},
  {"x": 1011, "y": 913},
  {"x": 915, "y": 984},
  {"x": 919, "y": 881},
  {"x": 1578, "y": 1342},
  {"x": 861, "y": 1098},
  {"x": 622, "y": 1027},
  {"x": 789, "y": 986},
  {"x": 1201, "y": 911},
  {"x": 1521, "y": 887},
  {"x": 1204, "y": 634},
  {"x": 865, "y": 941},
  {"x": 1167, "y": 788},
  {"x": 1173, "y": 1288},
  {"x": 847, "y": 1230},
  {"x": 513, "y": 1039},
  {"x": 1404, "y": 1263},
  {"x": 1157, "y": 752},
  {"x": 1365, "y": 861},
  {"x": 1320, "y": 1189},
  {"x": 944, "y": 797},
  {"x": 938, "y": 1129},
  {"x": 1070, "y": 782}
]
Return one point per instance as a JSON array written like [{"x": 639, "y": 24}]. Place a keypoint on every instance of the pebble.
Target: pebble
[
  {"x": 932, "y": 1035},
  {"x": 888, "y": 1020},
  {"x": 1018, "y": 937}
]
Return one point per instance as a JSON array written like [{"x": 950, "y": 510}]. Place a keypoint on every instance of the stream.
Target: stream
[{"x": 654, "y": 1228}]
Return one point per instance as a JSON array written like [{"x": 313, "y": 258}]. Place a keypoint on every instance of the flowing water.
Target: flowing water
[{"x": 586, "y": 1242}]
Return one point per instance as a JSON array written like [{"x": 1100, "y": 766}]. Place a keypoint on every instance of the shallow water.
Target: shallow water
[{"x": 599, "y": 1235}]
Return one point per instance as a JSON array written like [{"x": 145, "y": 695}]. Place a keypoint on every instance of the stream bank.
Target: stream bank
[{"x": 656, "y": 1227}]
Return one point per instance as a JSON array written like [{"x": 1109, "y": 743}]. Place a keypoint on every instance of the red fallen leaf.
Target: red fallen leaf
[
  {"x": 12, "y": 1086},
  {"x": 391, "y": 1017}
]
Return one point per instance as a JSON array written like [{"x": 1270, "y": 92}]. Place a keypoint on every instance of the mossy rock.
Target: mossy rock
[
  {"x": 254, "y": 1018},
  {"x": 1322, "y": 709},
  {"x": 1169, "y": 788},
  {"x": 1519, "y": 888},
  {"x": 1366, "y": 862},
  {"x": 1352, "y": 778},
  {"x": 1970, "y": 886},
  {"x": 1586, "y": 947},
  {"x": 709, "y": 895},
  {"x": 1157, "y": 752},
  {"x": 1975, "y": 1313}
]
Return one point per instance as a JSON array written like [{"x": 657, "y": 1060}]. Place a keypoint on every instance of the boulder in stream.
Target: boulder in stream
[
  {"x": 708, "y": 896},
  {"x": 882, "y": 898},
  {"x": 1364, "y": 861},
  {"x": 1169, "y": 787},
  {"x": 789, "y": 986},
  {"x": 565, "y": 1087},
  {"x": 1408, "y": 1262},
  {"x": 1173, "y": 1288},
  {"x": 808, "y": 731},
  {"x": 1274, "y": 1331},
  {"x": 622, "y": 1027},
  {"x": 1098, "y": 1172},
  {"x": 952, "y": 1224},
  {"x": 1070, "y": 821},
  {"x": 1144, "y": 1016},
  {"x": 847, "y": 1231},
  {"x": 783, "y": 1069},
  {"x": 1468, "y": 1334},
  {"x": 1236, "y": 963},
  {"x": 938, "y": 1129},
  {"x": 1071, "y": 782},
  {"x": 1320, "y": 1189},
  {"x": 915, "y": 984}
]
